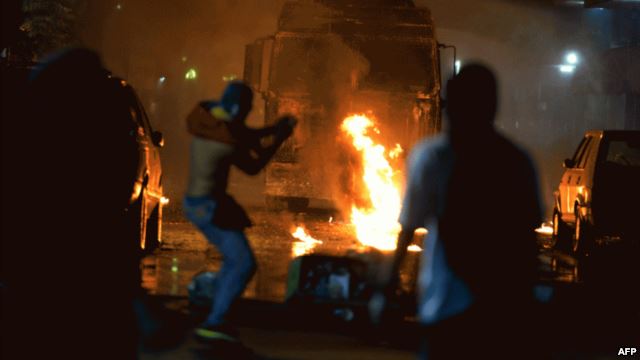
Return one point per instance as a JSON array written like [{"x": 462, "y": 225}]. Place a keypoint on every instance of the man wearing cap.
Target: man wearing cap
[{"x": 221, "y": 139}]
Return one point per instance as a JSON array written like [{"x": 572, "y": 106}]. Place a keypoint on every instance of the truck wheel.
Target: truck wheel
[{"x": 561, "y": 234}]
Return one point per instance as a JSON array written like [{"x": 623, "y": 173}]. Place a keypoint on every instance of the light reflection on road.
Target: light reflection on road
[{"x": 185, "y": 253}]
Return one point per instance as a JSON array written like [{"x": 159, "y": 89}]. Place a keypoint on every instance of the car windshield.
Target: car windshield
[{"x": 624, "y": 152}]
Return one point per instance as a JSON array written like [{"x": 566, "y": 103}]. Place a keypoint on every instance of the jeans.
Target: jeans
[{"x": 238, "y": 264}]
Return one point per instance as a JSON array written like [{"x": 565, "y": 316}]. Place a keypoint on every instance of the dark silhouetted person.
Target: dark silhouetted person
[
  {"x": 477, "y": 194},
  {"x": 221, "y": 139},
  {"x": 71, "y": 261}
]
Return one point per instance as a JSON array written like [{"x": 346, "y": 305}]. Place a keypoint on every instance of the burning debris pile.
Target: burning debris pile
[
  {"x": 374, "y": 215},
  {"x": 375, "y": 223}
]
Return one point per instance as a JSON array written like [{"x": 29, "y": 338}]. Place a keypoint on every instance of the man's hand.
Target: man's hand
[
  {"x": 377, "y": 307},
  {"x": 383, "y": 282},
  {"x": 386, "y": 278},
  {"x": 284, "y": 127}
]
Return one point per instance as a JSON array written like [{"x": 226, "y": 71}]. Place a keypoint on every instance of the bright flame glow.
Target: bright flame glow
[
  {"x": 376, "y": 225},
  {"x": 164, "y": 200},
  {"x": 305, "y": 244},
  {"x": 545, "y": 229}
]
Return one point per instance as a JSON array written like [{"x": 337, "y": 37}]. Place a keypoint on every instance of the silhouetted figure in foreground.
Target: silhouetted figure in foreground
[
  {"x": 71, "y": 259},
  {"x": 221, "y": 139},
  {"x": 477, "y": 194}
]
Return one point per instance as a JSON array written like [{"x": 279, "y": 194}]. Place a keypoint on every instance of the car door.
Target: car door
[
  {"x": 154, "y": 168},
  {"x": 586, "y": 165},
  {"x": 143, "y": 141},
  {"x": 571, "y": 180}
]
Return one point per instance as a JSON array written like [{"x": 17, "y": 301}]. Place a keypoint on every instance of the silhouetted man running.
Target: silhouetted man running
[{"x": 221, "y": 139}]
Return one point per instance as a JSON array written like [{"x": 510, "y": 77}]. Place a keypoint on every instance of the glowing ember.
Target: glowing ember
[
  {"x": 305, "y": 244},
  {"x": 545, "y": 229},
  {"x": 376, "y": 225},
  {"x": 164, "y": 200}
]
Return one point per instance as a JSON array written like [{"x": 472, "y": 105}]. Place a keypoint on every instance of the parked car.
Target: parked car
[
  {"x": 146, "y": 200},
  {"x": 598, "y": 198}
]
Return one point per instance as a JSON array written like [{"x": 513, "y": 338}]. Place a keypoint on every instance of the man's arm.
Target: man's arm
[
  {"x": 404, "y": 240},
  {"x": 251, "y": 165},
  {"x": 245, "y": 160},
  {"x": 259, "y": 134}
]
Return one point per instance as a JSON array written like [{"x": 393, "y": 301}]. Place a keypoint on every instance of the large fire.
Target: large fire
[{"x": 376, "y": 225}]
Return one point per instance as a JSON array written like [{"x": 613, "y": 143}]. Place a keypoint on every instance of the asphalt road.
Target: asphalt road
[
  {"x": 584, "y": 321},
  {"x": 185, "y": 252}
]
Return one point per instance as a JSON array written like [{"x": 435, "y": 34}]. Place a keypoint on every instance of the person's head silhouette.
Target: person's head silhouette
[
  {"x": 472, "y": 99},
  {"x": 237, "y": 101}
]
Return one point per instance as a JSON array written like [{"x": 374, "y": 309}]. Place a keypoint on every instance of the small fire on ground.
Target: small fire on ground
[
  {"x": 545, "y": 229},
  {"x": 304, "y": 243},
  {"x": 375, "y": 224}
]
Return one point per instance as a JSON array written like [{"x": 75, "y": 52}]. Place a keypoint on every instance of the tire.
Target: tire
[
  {"x": 146, "y": 226},
  {"x": 561, "y": 234},
  {"x": 152, "y": 231},
  {"x": 582, "y": 237},
  {"x": 139, "y": 224}
]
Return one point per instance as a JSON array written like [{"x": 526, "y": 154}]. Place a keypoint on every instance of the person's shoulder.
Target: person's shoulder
[
  {"x": 428, "y": 148},
  {"x": 432, "y": 144},
  {"x": 516, "y": 151}
]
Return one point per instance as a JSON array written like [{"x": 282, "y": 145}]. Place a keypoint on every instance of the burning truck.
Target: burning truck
[{"x": 331, "y": 59}]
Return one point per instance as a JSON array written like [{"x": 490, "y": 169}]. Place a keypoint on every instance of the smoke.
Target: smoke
[
  {"x": 524, "y": 41},
  {"x": 145, "y": 40},
  {"x": 153, "y": 44}
]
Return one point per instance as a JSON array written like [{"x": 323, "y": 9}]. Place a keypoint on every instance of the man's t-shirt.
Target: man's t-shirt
[
  {"x": 441, "y": 294},
  {"x": 478, "y": 198}
]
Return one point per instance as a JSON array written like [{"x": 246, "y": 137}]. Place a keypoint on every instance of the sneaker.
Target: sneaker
[{"x": 208, "y": 333}]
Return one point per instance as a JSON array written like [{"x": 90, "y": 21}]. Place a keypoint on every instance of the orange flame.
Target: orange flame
[
  {"x": 306, "y": 242},
  {"x": 375, "y": 225}
]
